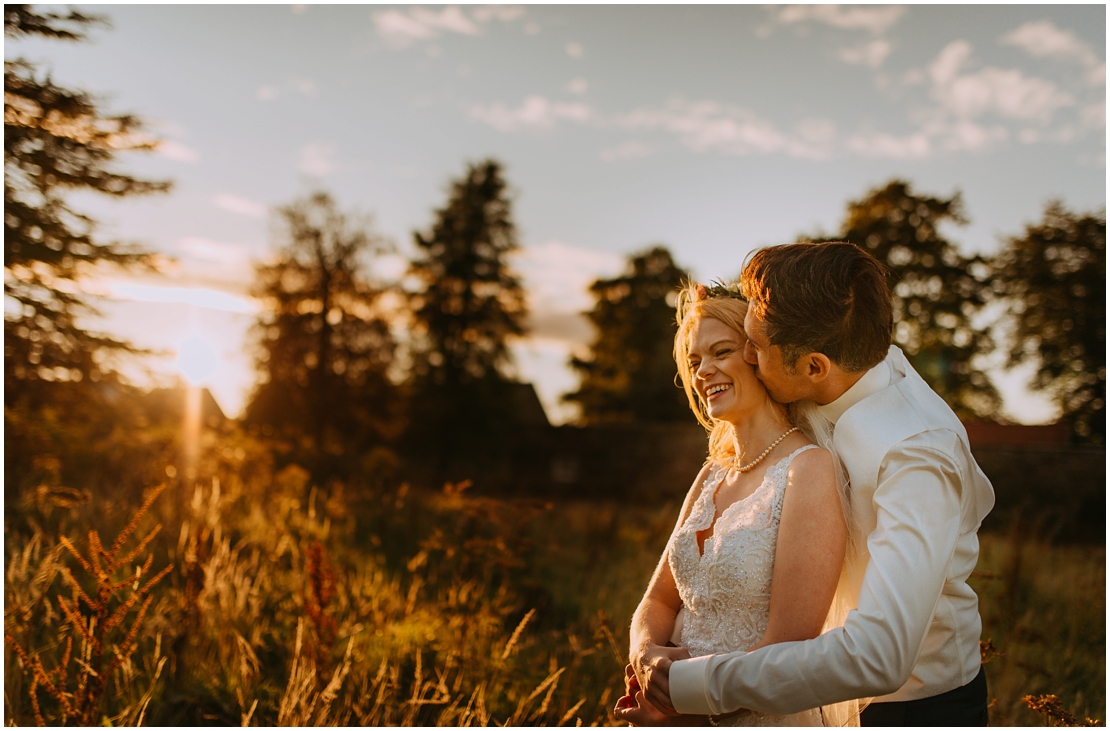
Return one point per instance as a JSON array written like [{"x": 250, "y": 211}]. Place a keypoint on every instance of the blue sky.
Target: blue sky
[{"x": 711, "y": 129}]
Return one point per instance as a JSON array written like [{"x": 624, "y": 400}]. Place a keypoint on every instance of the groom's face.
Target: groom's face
[{"x": 783, "y": 382}]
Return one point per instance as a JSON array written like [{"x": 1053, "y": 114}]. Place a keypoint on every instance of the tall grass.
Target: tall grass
[
  {"x": 287, "y": 604},
  {"x": 1044, "y": 610},
  {"x": 284, "y": 608}
]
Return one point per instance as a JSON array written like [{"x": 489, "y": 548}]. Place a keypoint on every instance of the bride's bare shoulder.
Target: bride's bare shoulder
[{"x": 813, "y": 469}]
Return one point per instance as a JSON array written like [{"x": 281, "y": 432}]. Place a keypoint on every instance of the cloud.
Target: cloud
[
  {"x": 1006, "y": 92},
  {"x": 1094, "y": 116},
  {"x": 627, "y": 151},
  {"x": 936, "y": 136},
  {"x": 1042, "y": 39},
  {"x": 558, "y": 276},
  {"x": 242, "y": 206},
  {"x": 216, "y": 252},
  {"x": 914, "y": 146},
  {"x": 535, "y": 112},
  {"x": 401, "y": 29},
  {"x": 867, "y": 54},
  {"x": 707, "y": 126},
  {"x": 298, "y": 84},
  {"x": 1097, "y": 75},
  {"x": 177, "y": 151},
  {"x": 504, "y": 13},
  {"x": 872, "y": 18},
  {"x": 317, "y": 158},
  {"x": 574, "y": 49},
  {"x": 195, "y": 296},
  {"x": 963, "y": 135},
  {"x": 577, "y": 86},
  {"x": 568, "y": 329}
]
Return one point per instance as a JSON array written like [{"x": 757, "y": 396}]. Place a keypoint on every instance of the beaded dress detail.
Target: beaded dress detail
[{"x": 726, "y": 587}]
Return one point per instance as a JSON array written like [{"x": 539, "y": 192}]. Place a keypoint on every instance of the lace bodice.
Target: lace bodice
[
  {"x": 726, "y": 591},
  {"x": 726, "y": 588}
]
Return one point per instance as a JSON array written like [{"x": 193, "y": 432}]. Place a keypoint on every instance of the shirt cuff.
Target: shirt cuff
[{"x": 687, "y": 684}]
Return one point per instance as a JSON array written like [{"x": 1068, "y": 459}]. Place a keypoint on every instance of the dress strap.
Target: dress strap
[
  {"x": 790, "y": 457},
  {"x": 780, "y": 468}
]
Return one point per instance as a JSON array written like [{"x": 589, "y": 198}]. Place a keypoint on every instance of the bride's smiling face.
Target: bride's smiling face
[{"x": 724, "y": 381}]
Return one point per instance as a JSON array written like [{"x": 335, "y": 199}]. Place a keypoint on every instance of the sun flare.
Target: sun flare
[{"x": 197, "y": 359}]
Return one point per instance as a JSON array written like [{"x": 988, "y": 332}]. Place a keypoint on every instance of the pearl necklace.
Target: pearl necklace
[{"x": 748, "y": 467}]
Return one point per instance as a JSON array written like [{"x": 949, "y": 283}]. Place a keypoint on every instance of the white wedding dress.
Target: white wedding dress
[{"x": 726, "y": 586}]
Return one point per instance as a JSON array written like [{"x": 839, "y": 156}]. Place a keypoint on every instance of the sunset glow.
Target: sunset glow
[{"x": 197, "y": 359}]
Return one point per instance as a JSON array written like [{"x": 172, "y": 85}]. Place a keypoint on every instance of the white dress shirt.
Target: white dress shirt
[{"x": 919, "y": 497}]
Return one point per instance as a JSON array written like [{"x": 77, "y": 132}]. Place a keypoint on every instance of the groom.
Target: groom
[{"x": 818, "y": 327}]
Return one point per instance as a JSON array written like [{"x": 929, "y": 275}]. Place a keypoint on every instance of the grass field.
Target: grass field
[{"x": 290, "y": 605}]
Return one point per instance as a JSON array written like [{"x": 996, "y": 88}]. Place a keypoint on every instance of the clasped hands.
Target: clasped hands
[{"x": 648, "y": 698}]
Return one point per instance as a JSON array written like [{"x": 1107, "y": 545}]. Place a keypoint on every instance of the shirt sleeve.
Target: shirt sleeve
[{"x": 917, "y": 505}]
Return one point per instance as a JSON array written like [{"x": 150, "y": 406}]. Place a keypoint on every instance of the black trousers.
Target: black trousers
[{"x": 964, "y": 706}]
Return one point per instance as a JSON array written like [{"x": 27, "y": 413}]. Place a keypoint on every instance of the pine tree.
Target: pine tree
[
  {"x": 470, "y": 303},
  {"x": 629, "y": 375},
  {"x": 57, "y": 142},
  {"x": 468, "y": 308},
  {"x": 325, "y": 347},
  {"x": 62, "y": 400}
]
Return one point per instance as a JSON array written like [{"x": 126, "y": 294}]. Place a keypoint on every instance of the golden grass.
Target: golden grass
[
  {"x": 78, "y": 682},
  {"x": 277, "y": 616},
  {"x": 290, "y": 605},
  {"x": 1044, "y": 612}
]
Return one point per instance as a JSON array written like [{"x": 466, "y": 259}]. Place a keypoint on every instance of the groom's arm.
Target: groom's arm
[{"x": 917, "y": 504}]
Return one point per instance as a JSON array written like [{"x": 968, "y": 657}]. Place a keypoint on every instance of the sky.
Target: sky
[{"x": 714, "y": 130}]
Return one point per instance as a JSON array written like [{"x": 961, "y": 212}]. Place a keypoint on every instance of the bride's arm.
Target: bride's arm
[
  {"x": 809, "y": 553},
  {"x": 653, "y": 621}
]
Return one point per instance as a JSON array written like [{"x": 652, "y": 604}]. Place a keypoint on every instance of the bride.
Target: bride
[{"x": 757, "y": 552}]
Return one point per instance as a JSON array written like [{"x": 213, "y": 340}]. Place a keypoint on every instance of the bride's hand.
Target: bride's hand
[
  {"x": 653, "y": 674},
  {"x": 635, "y": 710}
]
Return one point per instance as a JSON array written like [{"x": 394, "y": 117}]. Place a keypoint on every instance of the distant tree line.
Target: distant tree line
[
  {"x": 1043, "y": 294},
  {"x": 358, "y": 375},
  {"x": 338, "y": 388}
]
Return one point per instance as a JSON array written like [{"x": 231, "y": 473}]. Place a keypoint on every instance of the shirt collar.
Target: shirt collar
[{"x": 875, "y": 380}]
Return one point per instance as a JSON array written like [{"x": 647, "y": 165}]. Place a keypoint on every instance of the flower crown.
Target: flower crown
[{"x": 717, "y": 288}]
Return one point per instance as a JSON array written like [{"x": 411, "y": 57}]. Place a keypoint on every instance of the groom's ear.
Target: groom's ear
[{"x": 815, "y": 366}]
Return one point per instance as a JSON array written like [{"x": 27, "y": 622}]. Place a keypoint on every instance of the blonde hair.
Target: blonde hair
[{"x": 694, "y": 305}]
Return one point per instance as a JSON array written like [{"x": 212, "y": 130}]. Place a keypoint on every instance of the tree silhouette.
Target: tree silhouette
[
  {"x": 468, "y": 306},
  {"x": 57, "y": 142},
  {"x": 470, "y": 303},
  {"x": 1053, "y": 278},
  {"x": 325, "y": 347},
  {"x": 629, "y": 374},
  {"x": 936, "y": 290}
]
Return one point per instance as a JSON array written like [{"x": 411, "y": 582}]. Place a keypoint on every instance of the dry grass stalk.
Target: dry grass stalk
[
  {"x": 318, "y": 595},
  {"x": 549, "y": 684},
  {"x": 247, "y": 716},
  {"x": 988, "y": 652},
  {"x": 570, "y": 713},
  {"x": 516, "y": 635},
  {"x": 102, "y": 653},
  {"x": 302, "y": 704},
  {"x": 1054, "y": 712}
]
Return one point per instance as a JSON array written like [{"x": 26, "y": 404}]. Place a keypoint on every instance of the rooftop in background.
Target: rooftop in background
[{"x": 983, "y": 433}]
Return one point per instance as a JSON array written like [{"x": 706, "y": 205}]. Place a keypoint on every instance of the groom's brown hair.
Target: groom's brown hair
[{"x": 830, "y": 297}]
